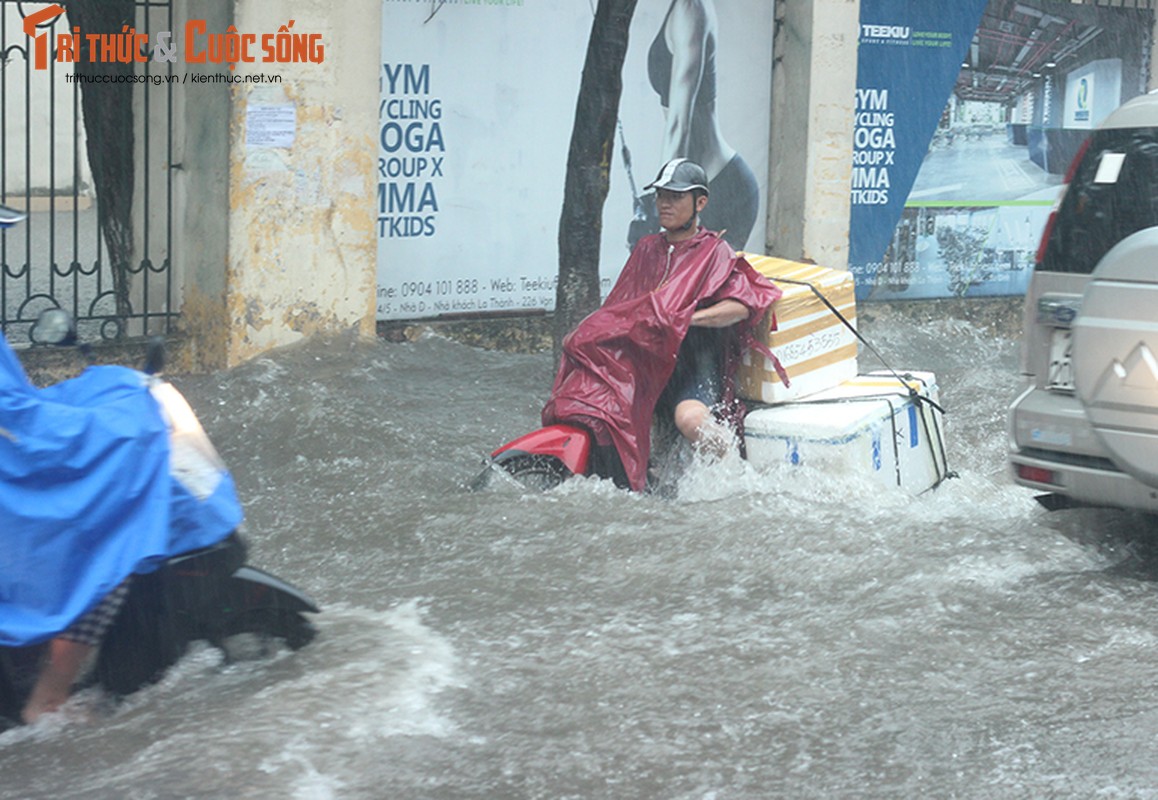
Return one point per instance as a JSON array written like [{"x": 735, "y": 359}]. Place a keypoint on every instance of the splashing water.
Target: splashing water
[{"x": 781, "y": 631}]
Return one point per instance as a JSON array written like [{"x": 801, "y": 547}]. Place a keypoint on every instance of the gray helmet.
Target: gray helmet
[{"x": 680, "y": 175}]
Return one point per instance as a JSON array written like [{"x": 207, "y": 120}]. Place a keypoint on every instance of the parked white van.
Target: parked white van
[{"x": 1085, "y": 430}]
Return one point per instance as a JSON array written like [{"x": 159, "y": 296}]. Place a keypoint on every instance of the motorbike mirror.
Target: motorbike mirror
[
  {"x": 155, "y": 357},
  {"x": 54, "y": 326}
]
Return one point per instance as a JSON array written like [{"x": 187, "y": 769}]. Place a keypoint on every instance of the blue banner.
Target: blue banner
[
  {"x": 967, "y": 116},
  {"x": 908, "y": 59}
]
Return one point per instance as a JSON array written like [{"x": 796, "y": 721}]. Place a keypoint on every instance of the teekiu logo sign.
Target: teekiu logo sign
[{"x": 200, "y": 46}]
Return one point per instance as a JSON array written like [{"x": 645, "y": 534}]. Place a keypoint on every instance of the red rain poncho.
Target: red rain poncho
[{"x": 617, "y": 361}]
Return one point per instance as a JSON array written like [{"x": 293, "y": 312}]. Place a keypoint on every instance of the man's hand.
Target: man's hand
[{"x": 720, "y": 315}]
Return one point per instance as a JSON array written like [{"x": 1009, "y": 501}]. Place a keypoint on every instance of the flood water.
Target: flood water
[{"x": 767, "y": 634}]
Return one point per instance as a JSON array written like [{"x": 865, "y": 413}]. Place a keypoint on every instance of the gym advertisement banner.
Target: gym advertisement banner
[
  {"x": 477, "y": 101},
  {"x": 967, "y": 116}
]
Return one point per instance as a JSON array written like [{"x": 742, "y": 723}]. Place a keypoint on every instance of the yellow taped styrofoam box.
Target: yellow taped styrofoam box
[{"x": 816, "y": 349}]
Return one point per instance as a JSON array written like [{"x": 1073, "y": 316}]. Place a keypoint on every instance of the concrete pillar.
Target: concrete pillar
[
  {"x": 1148, "y": 60},
  {"x": 200, "y": 172},
  {"x": 811, "y": 142},
  {"x": 277, "y": 180},
  {"x": 302, "y": 247}
]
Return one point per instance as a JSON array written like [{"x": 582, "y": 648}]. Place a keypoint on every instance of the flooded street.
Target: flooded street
[{"x": 782, "y": 633}]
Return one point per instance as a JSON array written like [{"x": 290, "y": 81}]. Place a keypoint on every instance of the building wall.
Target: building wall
[
  {"x": 293, "y": 222},
  {"x": 302, "y": 250},
  {"x": 813, "y": 105},
  {"x": 290, "y": 215}
]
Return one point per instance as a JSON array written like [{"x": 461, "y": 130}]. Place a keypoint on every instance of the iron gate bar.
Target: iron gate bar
[{"x": 64, "y": 271}]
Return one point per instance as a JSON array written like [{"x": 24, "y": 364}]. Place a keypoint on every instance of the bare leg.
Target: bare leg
[
  {"x": 695, "y": 422},
  {"x": 57, "y": 675}
]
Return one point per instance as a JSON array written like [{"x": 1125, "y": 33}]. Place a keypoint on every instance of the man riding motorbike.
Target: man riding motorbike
[
  {"x": 667, "y": 339},
  {"x": 88, "y": 498}
]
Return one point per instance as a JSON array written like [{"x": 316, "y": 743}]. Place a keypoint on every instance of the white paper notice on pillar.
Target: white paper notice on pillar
[
  {"x": 476, "y": 108},
  {"x": 270, "y": 125}
]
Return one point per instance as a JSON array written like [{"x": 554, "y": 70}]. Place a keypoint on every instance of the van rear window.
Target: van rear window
[{"x": 1114, "y": 192}]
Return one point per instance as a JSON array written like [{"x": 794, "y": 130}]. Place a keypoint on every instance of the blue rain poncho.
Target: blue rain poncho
[{"x": 88, "y": 495}]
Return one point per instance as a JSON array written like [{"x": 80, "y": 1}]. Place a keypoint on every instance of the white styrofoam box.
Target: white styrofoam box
[
  {"x": 816, "y": 349},
  {"x": 869, "y": 424}
]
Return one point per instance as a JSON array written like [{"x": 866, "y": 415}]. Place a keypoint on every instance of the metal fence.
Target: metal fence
[{"x": 60, "y": 256}]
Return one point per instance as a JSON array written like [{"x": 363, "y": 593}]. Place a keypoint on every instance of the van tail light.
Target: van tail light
[
  {"x": 1077, "y": 160},
  {"x": 1036, "y": 474},
  {"x": 1049, "y": 223}
]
